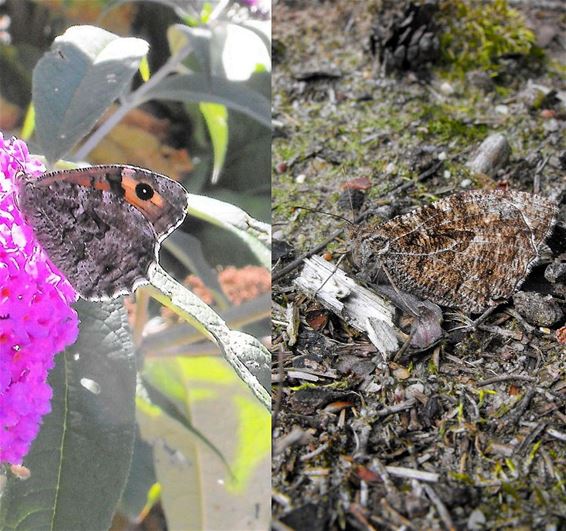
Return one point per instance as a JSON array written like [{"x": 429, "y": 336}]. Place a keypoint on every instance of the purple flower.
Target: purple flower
[
  {"x": 36, "y": 317},
  {"x": 257, "y": 7}
]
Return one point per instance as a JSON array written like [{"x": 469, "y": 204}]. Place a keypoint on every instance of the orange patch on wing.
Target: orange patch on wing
[{"x": 129, "y": 184}]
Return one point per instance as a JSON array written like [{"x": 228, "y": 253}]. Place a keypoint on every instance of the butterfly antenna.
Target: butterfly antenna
[{"x": 337, "y": 216}]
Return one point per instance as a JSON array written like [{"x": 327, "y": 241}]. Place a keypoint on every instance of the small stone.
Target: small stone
[
  {"x": 281, "y": 250},
  {"x": 537, "y": 309},
  {"x": 476, "y": 520},
  {"x": 281, "y": 167},
  {"x": 346, "y": 362},
  {"x": 551, "y": 126},
  {"x": 373, "y": 387},
  {"x": 446, "y": 88},
  {"x": 491, "y": 155},
  {"x": 555, "y": 272},
  {"x": 301, "y": 178},
  {"x": 426, "y": 328},
  {"x": 414, "y": 390},
  {"x": 481, "y": 80},
  {"x": 548, "y": 114},
  {"x": 532, "y": 95},
  {"x": 363, "y": 367},
  {"x": 401, "y": 373}
]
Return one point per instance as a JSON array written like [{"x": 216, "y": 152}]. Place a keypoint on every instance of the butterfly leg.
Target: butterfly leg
[{"x": 470, "y": 325}]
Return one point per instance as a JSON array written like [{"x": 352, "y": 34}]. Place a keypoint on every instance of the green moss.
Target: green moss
[
  {"x": 482, "y": 393},
  {"x": 306, "y": 385},
  {"x": 511, "y": 466},
  {"x": 448, "y": 123},
  {"x": 461, "y": 477},
  {"x": 432, "y": 368},
  {"x": 480, "y": 33},
  {"x": 557, "y": 68},
  {"x": 502, "y": 410},
  {"x": 534, "y": 450},
  {"x": 511, "y": 490},
  {"x": 539, "y": 497}
]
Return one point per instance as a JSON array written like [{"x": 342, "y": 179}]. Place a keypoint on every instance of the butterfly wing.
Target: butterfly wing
[
  {"x": 468, "y": 251},
  {"x": 102, "y": 226}
]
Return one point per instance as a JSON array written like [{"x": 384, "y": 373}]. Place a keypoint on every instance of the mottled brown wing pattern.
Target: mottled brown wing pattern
[{"x": 468, "y": 251}]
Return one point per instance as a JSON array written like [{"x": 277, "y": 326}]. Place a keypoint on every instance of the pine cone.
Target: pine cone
[{"x": 405, "y": 36}]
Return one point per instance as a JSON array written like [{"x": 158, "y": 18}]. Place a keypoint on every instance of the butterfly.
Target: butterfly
[
  {"x": 102, "y": 226},
  {"x": 468, "y": 251}
]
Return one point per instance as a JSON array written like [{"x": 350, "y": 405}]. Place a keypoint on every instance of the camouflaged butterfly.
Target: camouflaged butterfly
[{"x": 468, "y": 251}]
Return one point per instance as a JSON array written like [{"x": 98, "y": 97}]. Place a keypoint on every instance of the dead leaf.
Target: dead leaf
[
  {"x": 317, "y": 319},
  {"x": 360, "y": 183}
]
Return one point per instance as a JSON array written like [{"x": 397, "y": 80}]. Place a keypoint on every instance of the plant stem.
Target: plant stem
[
  {"x": 246, "y": 355},
  {"x": 131, "y": 101}
]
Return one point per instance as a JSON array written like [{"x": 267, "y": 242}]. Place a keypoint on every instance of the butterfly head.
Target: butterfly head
[{"x": 368, "y": 251}]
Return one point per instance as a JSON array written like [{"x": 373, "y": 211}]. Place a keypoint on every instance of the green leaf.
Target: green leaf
[
  {"x": 183, "y": 338},
  {"x": 201, "y": 88},
  {"x": 195, "y": 480},
  {"x": 198, "y": 38},
  {"x": 262, "y": 29},
  {"x": 216, "y": 117},
  {"x": 29, "y": 123},
  {"x": 178, "y": 474},
  {"x": 206, "y": 12},
  {"x": 145, "y": 72},
  {"x": 246, "y": 354},
  {"x": 74, "y": 83},
  {"x": 137, "y": 496},
  {"x": 79, "y": 463},
  {"x": 254, "y": 234},
  {"x": 238, "y": 50}
]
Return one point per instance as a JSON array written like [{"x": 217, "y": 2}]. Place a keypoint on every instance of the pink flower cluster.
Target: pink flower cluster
[
  {"x": 36, "y": 317},
  {"x": 257, "y": 7}
]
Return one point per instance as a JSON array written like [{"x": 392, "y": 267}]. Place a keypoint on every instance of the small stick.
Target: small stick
[
  {"x": 516, "y": 414},
  {"x": 531, "y": 436},
  {"x": 440, "y": 507},
  {"x": 386, "y": 411},
  {"x": 278, "y": 392},
  {"x": 411, "y": 473},
  {"x": 561, "y": 436},
  {"x": 399, "y": 520},
  {"x": 314, "y": 453},
  {"x": 506, "y": 377}
]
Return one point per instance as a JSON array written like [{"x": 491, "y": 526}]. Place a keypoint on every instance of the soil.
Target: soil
[{"x": 470, "y": 431}]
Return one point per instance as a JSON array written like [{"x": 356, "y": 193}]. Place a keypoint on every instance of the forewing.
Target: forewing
[{"x": 102, "y": 246}]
